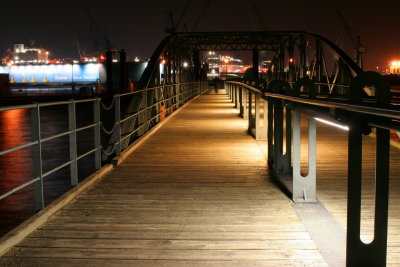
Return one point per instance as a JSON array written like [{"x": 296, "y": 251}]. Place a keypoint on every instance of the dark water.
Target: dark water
[{"x": 16, "y": 168}]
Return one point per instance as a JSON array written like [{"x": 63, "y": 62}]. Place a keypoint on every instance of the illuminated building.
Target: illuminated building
[
  {"x": 22, "y": 55},
  {"x": 394, "y": 67}
]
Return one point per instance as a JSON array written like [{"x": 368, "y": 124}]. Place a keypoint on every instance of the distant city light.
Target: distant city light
[
  {"x": 291, "y": 60},
  {"x": 136, "y": 59},
  {"x": 185, "y": 64}
]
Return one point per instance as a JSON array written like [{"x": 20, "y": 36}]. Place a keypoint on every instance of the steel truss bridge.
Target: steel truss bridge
[{"x": 308, "y": 75}]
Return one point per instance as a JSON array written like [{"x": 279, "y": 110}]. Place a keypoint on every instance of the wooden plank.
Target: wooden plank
[
  {"x": 167, "y": 254},
  {"x": 113, "y": 243},
  {"x": 107, "y": 233},
  {"x": 43, "y": 261}
]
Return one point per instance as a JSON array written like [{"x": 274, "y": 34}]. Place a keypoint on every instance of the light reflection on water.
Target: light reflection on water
[{"x": 16, "y": 168}]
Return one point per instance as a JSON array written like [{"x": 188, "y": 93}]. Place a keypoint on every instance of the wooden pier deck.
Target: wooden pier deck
[{"x": 197, "y": 193}]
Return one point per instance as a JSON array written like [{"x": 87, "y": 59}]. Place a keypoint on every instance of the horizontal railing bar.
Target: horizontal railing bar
[
  {"x": 58, "y": 103},
  {"x": 18, "y": 107},
  {"x": 140, "y": 127},
  {"x": 390, "y": 113},
  {"x": 43, "y": 140},
  {"x": 87, "y": 153},
  {"x": 130, "y": 116},
  {"x": 87, "y": 127},
  {"x": 57, "y": 168},
  {"x": 154, "y": 88},
  {"x": 18, "y": 148},
  {"x": 19, "y": 188},
  {"x": 85, "y": 100}
]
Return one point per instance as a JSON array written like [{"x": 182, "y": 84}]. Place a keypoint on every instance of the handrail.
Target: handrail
[{"x": 377, "y": 111}]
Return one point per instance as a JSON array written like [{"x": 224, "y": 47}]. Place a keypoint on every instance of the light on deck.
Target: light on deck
[{"x": 340, "y": 126}]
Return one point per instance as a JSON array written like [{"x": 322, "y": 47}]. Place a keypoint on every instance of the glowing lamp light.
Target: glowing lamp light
[
  {"x": 395, "y": 63},
  {"x": 163, "y": 61},
  {"x": 291, "y": 60},
  {"x": 185, "y": 64},
  {"x": 343, "y": 127}
]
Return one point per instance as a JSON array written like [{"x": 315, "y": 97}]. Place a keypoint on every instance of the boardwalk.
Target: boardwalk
[{"x": 197, "y": 193}]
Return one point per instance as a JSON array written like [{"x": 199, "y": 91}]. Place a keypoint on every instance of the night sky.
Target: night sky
[{"x": 138, "y": 26}]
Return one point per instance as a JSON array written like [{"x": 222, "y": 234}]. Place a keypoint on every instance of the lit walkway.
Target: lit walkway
[{"x": 197, "y": 193}]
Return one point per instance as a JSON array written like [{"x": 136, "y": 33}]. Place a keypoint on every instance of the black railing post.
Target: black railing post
[
  {"x": 256, "y": 59},
  {"x": 359, "y": 253},
  {"x": 109, "y": 72},
  {"x": 123, "y": 72}
]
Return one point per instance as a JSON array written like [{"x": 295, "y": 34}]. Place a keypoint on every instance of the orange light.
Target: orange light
[
  {"x": 291, "y": 60},
  {"x": 163, "y": 61},
  {"x": 395, "y": 63}
]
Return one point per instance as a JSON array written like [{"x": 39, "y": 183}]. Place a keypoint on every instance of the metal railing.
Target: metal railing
[
  {"x": 182, "y": 93},
  {"x": 281, "y": 119}
]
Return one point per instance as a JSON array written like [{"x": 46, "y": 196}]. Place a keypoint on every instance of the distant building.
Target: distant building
[
  {"x": 394, "y": 67},
  {"x": 20, "y": 54}
]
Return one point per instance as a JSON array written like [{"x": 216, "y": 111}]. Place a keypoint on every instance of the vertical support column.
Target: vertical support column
[
  {"x": 72, "y": 143},
  {"x": 318, "y": 64},
  {"x": 255, "y": 63},
  {"x": 109, "y": 73},
  {"x": 304, "y": 187},
  {"x": 288, "y": 155},
  {"x": 37, "y": 158},
  {"x": 302, "y": 63},
  {"x": 97, "y": 133},
  {"x": 270, "y": 132},
  {"x": 250, "y": 112},
  {"x": 123, "y": 73},
  {"x": 264, "y": 129},
  {"x": 282, "y": 162},
  {"x": 359, "y": 253},
  {"x": 118, "y": 123},
  {"x": 177, "y": 77},
  {"x": 244, "y": 100},
  {"x": 241, "y": 108},
  {"x": 196, "y": 62},
  {"x": 237, "y": 92},
  {"x": 234, "y": 95},
  {"x": 292, "y": 71},
  {"x": 278, "y": 137},
  {"x": 259, "y": 129}
]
